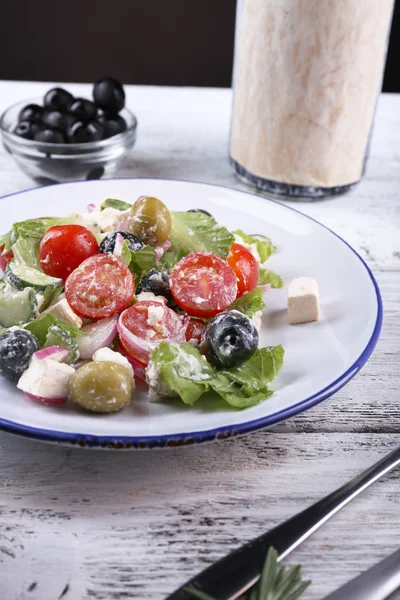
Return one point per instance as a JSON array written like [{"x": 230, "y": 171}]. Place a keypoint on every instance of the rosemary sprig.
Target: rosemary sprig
[{"x": 275, "y": 583}]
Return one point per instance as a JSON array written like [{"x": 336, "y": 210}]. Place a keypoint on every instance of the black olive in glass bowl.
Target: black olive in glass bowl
[
  {"x": 56, "y": 120},
  {"x": 27, "y": 129},
  {"x": 109, "y": 95},
  {"x": 112, "y": 125},
  {"x": 108, "y": 243},
  {"x": 16, "y": 349},
  {"x": 82, "y": 132},
  {"x": 82, "y": 108},
  {"x": 31, "y": 112},
  {"x": 231, "y": 338},
  {"x": 58, "y": 99},
  {"x": 200, "y": 210},
  {"x": 50, "y": 136}
]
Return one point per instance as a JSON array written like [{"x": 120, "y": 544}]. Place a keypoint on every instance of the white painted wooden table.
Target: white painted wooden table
[{"x": 105, "y": 525}]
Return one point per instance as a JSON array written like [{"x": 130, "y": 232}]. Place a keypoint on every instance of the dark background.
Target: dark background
[{"x": 159, "y": 42}]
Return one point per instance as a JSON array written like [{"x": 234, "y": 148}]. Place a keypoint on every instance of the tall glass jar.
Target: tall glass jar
[{"x": 307, "y": 75}]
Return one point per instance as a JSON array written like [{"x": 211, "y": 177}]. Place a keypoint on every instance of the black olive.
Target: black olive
[
  {"x": 155, "y": 282},
  {"x": 108, "y": 243},
  {"x": 55, "y": 119},
  {"x": 27, "y": 129},
  {"x": 109, "y": 95},
  {"x": 85, "y": 131},
  {"x": 200, "y": 210},
  {"x": 16, "y": 349},
  {"x": 31, "y": 112},
  {"x": 83, "y": 109},
  {"x": 58, "y": 99},
  {"x": 112, "y": 125},
  {"x": 51, "y": 136},
  {"x": 231, "y": 338}
]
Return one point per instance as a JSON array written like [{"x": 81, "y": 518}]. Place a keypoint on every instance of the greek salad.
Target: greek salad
[{"x": 95, "y": 300}]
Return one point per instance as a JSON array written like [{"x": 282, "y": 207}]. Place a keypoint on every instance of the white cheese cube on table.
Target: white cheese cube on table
[{"x": 303, "y": 300}]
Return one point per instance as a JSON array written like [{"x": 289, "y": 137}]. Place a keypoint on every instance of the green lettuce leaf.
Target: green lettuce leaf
[
  {"x": 196, "y": 232},
  {"x": 247, "y": 384},
  {"x": 249, "y": 303},
  {"x": 141, "y": 262},
  {"x": 267, "y": 276},
  {"x": 26, "y": 250},
  {"x": 36, "y": 228},
  {"x": 264, "y": 245},
  {"x": 40, "y": 328},
  {"x": 114, "y": 203},
  {"x": 5, "y": 240},
  {"x": 170, "y": 258},
  {"x": 126, "y": 253},
  {"x": 179, "y": 370}
]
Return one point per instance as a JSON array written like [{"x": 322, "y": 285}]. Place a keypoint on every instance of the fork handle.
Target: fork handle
[{"x": 232, "y": 575}]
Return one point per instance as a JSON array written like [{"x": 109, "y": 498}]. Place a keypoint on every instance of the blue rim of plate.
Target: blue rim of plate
[{"x": 186, "y": 439}]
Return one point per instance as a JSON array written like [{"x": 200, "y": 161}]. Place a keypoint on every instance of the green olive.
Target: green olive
[
  {"x": 150, "y": 220},
  {"x": 102, "y": 387}
]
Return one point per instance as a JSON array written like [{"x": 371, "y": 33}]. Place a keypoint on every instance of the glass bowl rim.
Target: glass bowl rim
[{"x": 97, "y": 145}]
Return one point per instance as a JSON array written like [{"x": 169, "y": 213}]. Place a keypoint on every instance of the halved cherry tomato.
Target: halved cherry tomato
[
  {"x": 100, "y": 287},
  {"x": 5, "y": 257},
  {"x": 245, "y": 267},
  {"x": 195, "y": 329},
  {"x": 203, "y": 284},
  {"x": 144, "y": 325},
  {"x": 65, "y": 247}
]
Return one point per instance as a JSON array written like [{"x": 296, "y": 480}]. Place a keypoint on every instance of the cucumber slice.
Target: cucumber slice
[
  {"x": 17, "y": 307},
  {"x": 50, "y": 295},
  {"x": 21, "y": 276},
  {"x": 114, "y": 203},
  {"x": 58, "y": 336}
]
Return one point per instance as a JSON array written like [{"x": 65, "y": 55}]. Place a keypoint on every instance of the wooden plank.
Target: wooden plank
[{"x": 136, "y": 525}]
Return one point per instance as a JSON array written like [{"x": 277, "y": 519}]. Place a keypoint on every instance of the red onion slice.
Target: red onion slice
[
  {"x": 160, "y": 250},
  {"x": 54, "y": 352},
  {"x": 134, "y": 341},
  {"x": 138, "y": 369},
  {"x": 119, "y": 244},
  {"x": 98, "y": 335},
  {"x": 46, "y": 400},
  {"x": 91, "y": 208}
]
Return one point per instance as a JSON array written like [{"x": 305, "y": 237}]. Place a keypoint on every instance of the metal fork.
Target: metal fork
[{"x": 234, "y": 574}]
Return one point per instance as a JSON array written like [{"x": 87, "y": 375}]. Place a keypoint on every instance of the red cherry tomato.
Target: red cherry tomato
[
  {"x": 195, "y": 329},
  {"x": 65, "y": 247},
  {"x": 100, "y": 287},
  {"x": 245, "y": 266},
  {"x": 144, "y": 325},
  {"x": 5, "y": 257},
  {"x": 203, "y": 284}
]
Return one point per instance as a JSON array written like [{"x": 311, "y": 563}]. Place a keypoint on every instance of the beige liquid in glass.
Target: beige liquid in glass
[{"x": 306, "y": 79}]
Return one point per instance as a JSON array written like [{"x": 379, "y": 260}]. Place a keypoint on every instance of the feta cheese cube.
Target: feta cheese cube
[
  {"x": 46, "y": 378},
  {"x": 62, "y": 310},
  {"x": 303, "y": 300},
  {"x": 150, "y": 296},
  {"x": 256, "y": 318},
  {"x": 108, "y": 355}
]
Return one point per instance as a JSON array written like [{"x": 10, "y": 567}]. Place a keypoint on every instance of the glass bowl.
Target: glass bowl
[{"x": 53, "y": 163}]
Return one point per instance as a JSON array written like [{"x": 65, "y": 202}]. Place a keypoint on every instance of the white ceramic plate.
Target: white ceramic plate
[{"x": 320, "y": 357}]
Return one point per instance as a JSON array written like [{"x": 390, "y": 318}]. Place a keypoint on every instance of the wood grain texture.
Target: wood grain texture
[{"x": 84, "y": 524}]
